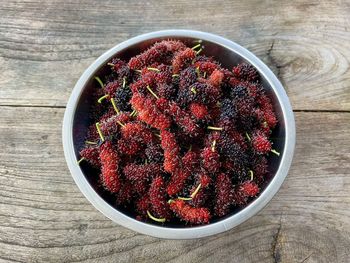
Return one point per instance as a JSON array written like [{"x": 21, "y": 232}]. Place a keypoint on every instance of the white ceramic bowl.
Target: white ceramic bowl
[{"x": 228, "y": 53}]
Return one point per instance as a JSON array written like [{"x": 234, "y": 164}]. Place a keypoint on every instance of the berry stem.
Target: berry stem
[
  {"x": 205, "y": 74},
  {"x": 134, "y": 112},
  {"x": 137, "y": 70},
  {"x": 251, "y": 173},
  {"x": 198, "y": 72},
  {"x": 170, "y": 201},
  {"x": 99, "y": 131},
  {"x": 81, "y": 159},
  {"x": 213, "y": 146},
  {"x": 121, "y": 124},
  {"x": 198, "y": 41},
  {"x": 102, "y": 98},
  {"x": 152, "y": 92},
  {"x": 196, "y": 46},
  {"x": 214, "y": 128},
  {"x": 193, "y": 90},
  {"x": 196, "y": 191},
  {"x": 248, "y": 137},
  {"x": 115, "y": 106},
  {"x": 199, "y": 51},
  {"x": 275, "y": 152},
  {"x": 161, "y": 220},
  {"x": 110, "y": 64},
  {"x": 90, "y": 142},
  {"x": 185, "y": 198},
  {"x": 124, "y": 82},
  {"x": 99, "y": 81},
  {"x": 153, "y": 69},
  {"x": 175, "y": 75}
]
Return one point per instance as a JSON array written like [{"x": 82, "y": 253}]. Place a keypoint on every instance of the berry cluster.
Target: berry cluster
[{"x": 177, "y": 137}]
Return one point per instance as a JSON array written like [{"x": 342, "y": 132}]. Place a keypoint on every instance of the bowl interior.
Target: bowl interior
[{"x": 227, "y": 57}]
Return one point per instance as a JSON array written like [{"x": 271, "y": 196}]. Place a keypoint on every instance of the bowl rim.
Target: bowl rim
[{"x": 168, "y": 232}]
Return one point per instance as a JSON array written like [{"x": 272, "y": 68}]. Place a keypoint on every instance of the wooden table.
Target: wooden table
[{"x": 46, "y": 45}]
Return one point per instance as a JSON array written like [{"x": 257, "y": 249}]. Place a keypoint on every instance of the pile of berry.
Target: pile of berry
[{"x": 177, "y": 136}]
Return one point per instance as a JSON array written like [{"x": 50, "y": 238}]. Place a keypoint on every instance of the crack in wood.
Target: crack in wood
[{"x": 276, "y": 243}]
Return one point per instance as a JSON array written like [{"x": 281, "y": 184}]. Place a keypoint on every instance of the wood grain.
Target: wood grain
[
  {"x": 46, "y": 45},
  {"x": 44, "y": 217}
]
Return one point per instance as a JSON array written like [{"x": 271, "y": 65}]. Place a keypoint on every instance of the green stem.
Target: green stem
[
  {"x": 152, "y": 92},
  {"x": 214, "y": 128},
  {"x": 90, "y": 142},
  {"x": 251, "y": 173},
  {"x": 185, "y": 198},
  {"x": 196, "y": 46},
  {"x": 248, "y": 137},
  {"x": 115, "y": 106},
  {"x": 102, "y": 98},
  {"x": 124, "y": 82},
  {"x": 213, "y": 146},
  {"x": 196, "y": 191},
  {"x": 161, "y": 220},
  {"x": 153, "y": 69},
  {"x": 275, "y": 152},
  {"x": 81, "y": 159},
  {"x": 99, "y": 131},
  {"x": 121, "y": 124},
  {"x": 99, "y": 81}
]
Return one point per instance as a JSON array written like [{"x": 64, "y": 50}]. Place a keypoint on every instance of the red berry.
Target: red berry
[
  {"x": 249, "y": 188},
  {"x": 171, "y": 151},
  {"x": 143, "y": 205},
  {"x": 210, "y": 160},
  {"x": 190, "y": 214},
  {"x": 182, "y": 58},
  {"x": 139, "y": 172},
  {"x": 261, "y": 143},
  {"x": 199, "y": 111},
  {"x": 216, "y": 78},
  {"x": 223, "y": 200},
  {"x": 149, "y": 113},
  {"x": 91, "y": 155},
  {"x": 109, "y": 167},
  {"x": 157, "y": 194}
]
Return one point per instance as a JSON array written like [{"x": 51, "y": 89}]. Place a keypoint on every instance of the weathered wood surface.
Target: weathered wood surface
[
  {"x": 46, "y": 45},
  {"x": 44, "y": 217}
]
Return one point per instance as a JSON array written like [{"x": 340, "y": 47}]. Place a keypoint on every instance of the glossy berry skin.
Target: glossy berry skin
[
  {"x": 190, "y": 214},
  {"x": 109, "y": 167}
]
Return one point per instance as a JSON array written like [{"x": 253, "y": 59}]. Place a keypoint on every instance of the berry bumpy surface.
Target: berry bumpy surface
[{"x": 175, "y": 138}]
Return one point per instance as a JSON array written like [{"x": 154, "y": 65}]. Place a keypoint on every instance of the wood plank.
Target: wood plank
[
  {"x": 44, "y": 217},
  {"x": 46, "y": 45}
]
